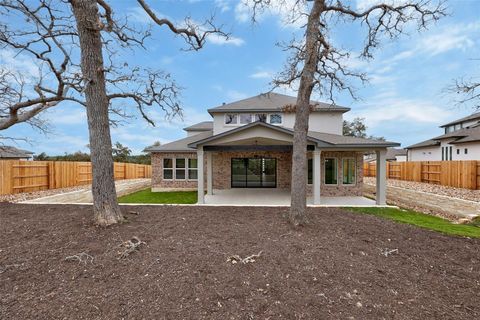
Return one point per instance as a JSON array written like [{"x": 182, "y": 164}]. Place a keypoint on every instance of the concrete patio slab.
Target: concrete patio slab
[{"x": 277, "y": 197}]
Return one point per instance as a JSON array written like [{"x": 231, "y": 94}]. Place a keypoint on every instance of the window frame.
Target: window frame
[
  {"x": 354, "y": 172},
  {"x": 193, "y": 169},
  {"x": 181, "y": 169},
  {"x": 169, "y": 168},
  {"x": 325, "y": 171},
  {"x": 251, "y": 116},
  {"x": 254, "y": 117},
  {"x": 270, "y": 118},
  {"x": 237, "y": 118}
]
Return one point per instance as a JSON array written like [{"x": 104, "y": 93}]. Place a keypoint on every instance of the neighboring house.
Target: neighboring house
[
  {"x": 249, "y": 145},
  {"x": 460, "y": 141},
  {"x": 12, "y": 153},
  {"x": 393, "y": 154}
]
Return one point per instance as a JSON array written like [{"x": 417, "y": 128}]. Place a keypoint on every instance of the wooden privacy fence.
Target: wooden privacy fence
[
  {"x": 29, "y": 176},
  {"x": 459, "y": 174}
]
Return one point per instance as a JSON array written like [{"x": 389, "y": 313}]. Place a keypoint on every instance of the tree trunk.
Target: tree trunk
[
  {"x": 105, "y": 206},
  {"x": 297, "y": 214}
]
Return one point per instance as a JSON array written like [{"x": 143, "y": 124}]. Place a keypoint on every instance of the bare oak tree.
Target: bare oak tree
[
  {"x": 317, "y": 63},
  {"x": 469, "y": 91},
  {"x": 74, "y": 46}
]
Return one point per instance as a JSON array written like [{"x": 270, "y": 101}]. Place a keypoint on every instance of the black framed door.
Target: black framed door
[{"x": 254, "y": 173}]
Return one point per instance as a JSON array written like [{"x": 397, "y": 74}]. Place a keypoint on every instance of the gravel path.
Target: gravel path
[
  {"x": 464, "y": 194},
  {"x": 20, "y": 197}
]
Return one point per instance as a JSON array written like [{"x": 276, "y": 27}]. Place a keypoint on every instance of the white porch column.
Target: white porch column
[
  {"x": 200, "y": 178},
  {"x": 381, "y": 177},
  {"x": 316, "y": 176},
  {"x": 209, "y": 173}
]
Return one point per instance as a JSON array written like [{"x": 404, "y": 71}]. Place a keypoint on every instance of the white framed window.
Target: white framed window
[
  {"x": 192, "y": 169},
  {"x": 245, "y": 118},
  {"x": 231, "y": 119},
  {"x": 180, "y": 168},
  {"x": 276, "y": 118},
  {"x": 348, "y": 171},
  {"x": 331, "y": 171},
  {"x": 262, "y": 117},
  {"x": 167, "y": 169}
]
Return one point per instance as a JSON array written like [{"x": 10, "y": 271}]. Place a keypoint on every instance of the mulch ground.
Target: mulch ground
[{"x": 333, "y": 269}]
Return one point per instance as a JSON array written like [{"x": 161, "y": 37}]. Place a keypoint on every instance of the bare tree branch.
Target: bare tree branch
[{"x": 194, "y": 34}]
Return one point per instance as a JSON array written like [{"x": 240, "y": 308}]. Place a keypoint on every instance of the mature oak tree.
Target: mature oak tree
[
  {"x": 319, "y": 64},
  {"x": 75, "y": 45}
]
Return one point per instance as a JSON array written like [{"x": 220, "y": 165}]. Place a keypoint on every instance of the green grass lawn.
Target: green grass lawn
[
  {"x": 147, "y": 196},
  {"x": 422, "y": 220}
]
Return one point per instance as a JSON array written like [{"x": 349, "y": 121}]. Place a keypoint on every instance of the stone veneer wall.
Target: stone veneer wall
[
  {"x": 340, "y": 189},
  {"x": 157, "y": 171},
  {"x": 222, "y": 171}
]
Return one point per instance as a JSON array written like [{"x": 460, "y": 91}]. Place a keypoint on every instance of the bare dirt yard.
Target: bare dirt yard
[{"x": 342, "y": 266}]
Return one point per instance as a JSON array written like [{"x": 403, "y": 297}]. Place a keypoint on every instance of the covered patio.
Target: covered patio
[{"x": 278, "y": 198}]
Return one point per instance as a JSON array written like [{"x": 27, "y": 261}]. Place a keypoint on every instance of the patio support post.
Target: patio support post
[
  {"x": 381, "y": 196},
  {"x": 209, "y": 173},
  {"x": 316, "y": 176},
  {"x": 200, "y": 178}
]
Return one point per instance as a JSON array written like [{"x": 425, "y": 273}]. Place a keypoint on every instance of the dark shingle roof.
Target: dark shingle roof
[
  {"x": 473, "y": 116},
  {"x": 271, "y": 101},
  {"x": 465, "y": 132},
  {"x": 201, "y": 126},
  {"x": 473, "y": 134},
  {"x": 423, "y": 144},
  {"x": 340, "y": 140},
  {"x": 325, "y": 140},
  {"x": 9, "y": 152},
  {"x": 180, "y": 145}
]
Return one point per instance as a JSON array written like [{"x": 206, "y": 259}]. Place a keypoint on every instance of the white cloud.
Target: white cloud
[
  {"x": 138, "y": 14},
  {"x": 262, "y": 75},
  {"x": 65, "y": 115},
  {"x": 364, "y": 4},
  {"x": 221, "y": 40},
  {"x": 391, "y": 108},
  {"x": 223, "y": 5},
  {"x": 20, "y": 64},
  {"x": 289, "y": 12}
]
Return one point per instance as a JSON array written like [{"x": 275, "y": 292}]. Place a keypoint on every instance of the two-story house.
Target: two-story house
[
  {"x": 248, "y": 144},
  {"x": 460, "y": 141}
]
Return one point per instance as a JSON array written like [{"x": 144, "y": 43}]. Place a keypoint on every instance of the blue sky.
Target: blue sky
[{"x": 405, "y": 100}]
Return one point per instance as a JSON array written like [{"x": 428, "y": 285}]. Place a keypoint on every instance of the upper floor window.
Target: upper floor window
[
  {"x": 230, "y": 119},
  {"x": 276, "y": 118},
  {"x": 262, "y": 117},
  {"x": 245, "y": 118}
]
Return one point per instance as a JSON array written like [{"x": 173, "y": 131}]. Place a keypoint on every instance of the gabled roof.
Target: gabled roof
[
  {"x": 269, "y": 102},
  {"x": 242, "y": 128},
  {"x": 465, "y": 132},
  {"x": 465, "y": 135},
  {"x": 338, "y": 140},
  {"x": 180, "y": 145},
  {"x": 201, "y": 126},
  {"x": 7, "y": 152},
  {"x": 473, "y": 116},
  {"x": 324, "y": 140},
  {"x": 424, "y": 144},
  {"x": 391, "y": 155}
]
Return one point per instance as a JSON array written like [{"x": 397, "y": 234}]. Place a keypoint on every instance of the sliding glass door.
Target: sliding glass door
[{"x": 254, "y": 173}]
